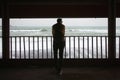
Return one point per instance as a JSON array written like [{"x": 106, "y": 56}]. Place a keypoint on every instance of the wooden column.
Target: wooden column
[
  {"x": 5, "y": 30},
  {"x": 112, "y": 29}
]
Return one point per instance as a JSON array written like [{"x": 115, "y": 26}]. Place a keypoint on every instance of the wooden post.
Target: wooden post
[
  {"x": 112, "y": 29},
  {"x": 5, "y": 30}
]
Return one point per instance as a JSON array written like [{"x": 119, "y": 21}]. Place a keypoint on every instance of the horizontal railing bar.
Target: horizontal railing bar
[{"x": 65, "y": 36}]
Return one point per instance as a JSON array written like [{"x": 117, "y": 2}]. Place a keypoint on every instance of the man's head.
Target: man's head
[{"x": 59, "y": 20}]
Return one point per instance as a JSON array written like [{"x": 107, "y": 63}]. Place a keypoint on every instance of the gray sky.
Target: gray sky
[{"x": 66, "y": 21}]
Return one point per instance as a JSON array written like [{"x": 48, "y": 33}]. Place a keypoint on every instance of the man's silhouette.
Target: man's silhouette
[{"x": 58, "y": 31}]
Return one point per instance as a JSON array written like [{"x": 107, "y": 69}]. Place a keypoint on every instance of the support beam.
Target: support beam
[
  {"x": 112, "y": 29},
  {"x": 5, "y": 30}
]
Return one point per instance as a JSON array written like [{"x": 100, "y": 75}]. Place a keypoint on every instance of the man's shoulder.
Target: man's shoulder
[
  {"x": 54, "y": 25},
  {"x": 63, "y": 25}
]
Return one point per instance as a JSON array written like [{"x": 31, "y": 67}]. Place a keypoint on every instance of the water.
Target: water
[{"x": 69, "y": 31}]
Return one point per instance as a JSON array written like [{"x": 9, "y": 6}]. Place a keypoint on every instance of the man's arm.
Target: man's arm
[
  {"x": 63, "y": 30},
  {"x": 53, "y": 31}
]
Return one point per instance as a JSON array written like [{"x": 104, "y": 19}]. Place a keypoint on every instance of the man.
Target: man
[{"x": 58, "y": 32}]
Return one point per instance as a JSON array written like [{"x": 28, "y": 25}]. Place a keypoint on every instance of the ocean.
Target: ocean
[{"x": 69, "y": 31}]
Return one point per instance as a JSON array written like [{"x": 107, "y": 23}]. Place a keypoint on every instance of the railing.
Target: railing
[
  {"x": 77, "y": 47},
  {"x": 0, "y": 47},
  {"x": 118, "y": 47}
]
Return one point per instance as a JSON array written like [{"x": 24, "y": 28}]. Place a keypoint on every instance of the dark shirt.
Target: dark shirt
[{"x": 58, "y": 31}]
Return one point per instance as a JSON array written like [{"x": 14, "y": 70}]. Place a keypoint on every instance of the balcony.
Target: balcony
[
  {"x": 38, "y": 49},
  {"x": 77, "y": 47}
]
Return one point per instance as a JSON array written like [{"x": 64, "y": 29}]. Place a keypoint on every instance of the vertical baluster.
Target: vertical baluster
[
  {"x": 47, "y": 46},
  {"x": 74, "y": 46},
  {"x": 51, "y": 47},
  {"x": 33, "y": 48},
  {"x": 78, "y": 47},
  {"x": 38, "y": 46},
  {"x": 83, "y": 48},
  {"x": 24, "y": 47},
  {"x": 42, "y": 47},
  {"x": 11, "y": 47},
  {"x": 105, "y": 47},
  {"x": 69, "y": 47},
  {"x": 88, "y": 45},
  {"x": 92, "y": 49},
  {"x": 65, "y": 47},
  {"x": 97, "y": 47},
  {"x": 15, "y": 48},
  {"x": 29, "y": 46},
  {"x": 20, "y": 46},
  {"x": 101, "y": 48},
  {"x": 116, "y": 54},
  {"x": 119, "y": 47}
]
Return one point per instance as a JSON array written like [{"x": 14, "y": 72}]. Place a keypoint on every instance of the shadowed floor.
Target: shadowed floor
[{"x": 71, "y": 73}]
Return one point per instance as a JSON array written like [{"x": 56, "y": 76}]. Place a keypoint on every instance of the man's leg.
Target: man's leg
[
  {"x": 60, "y": 58},
  {"x": 61, "y": 49},
  {"x": 55, "y": 55}
]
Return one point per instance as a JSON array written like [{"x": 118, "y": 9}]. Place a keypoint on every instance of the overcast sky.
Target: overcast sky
[{"x": 66, "y": 21}]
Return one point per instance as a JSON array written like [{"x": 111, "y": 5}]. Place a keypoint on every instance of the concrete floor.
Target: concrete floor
[{"x": 71, "y": 73}]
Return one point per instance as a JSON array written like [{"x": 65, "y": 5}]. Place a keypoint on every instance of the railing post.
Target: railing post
[
  {"x": 5, "y": 30},
  {"x": 112, "y": 29}
]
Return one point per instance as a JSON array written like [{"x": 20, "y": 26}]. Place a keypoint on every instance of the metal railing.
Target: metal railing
[
  {"x": 0, "y": 47},
  {"x": 77, "y": 47}
]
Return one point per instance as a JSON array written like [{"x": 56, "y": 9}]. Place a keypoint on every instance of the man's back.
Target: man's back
[{"x": 58, "y": 31}]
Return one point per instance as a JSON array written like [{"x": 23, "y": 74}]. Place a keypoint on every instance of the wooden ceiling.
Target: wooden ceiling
[{"x": 59, "y": 8}]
